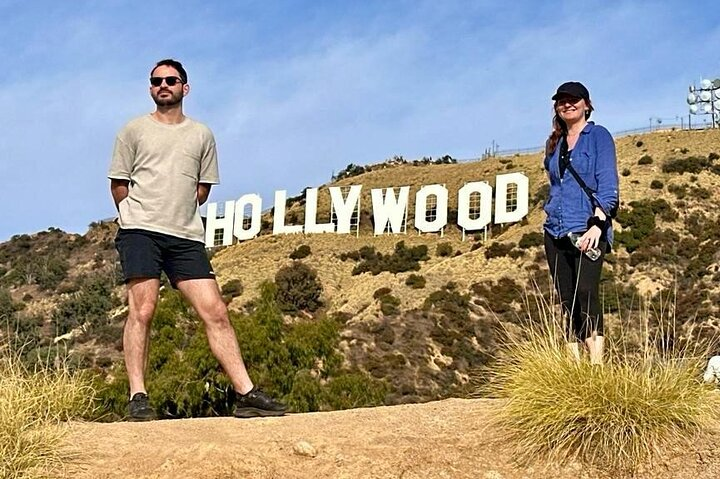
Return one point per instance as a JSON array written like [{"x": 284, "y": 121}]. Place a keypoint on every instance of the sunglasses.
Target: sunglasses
[
  {"x": 170, "y": 81},
  {"x": 567, "y": 99}
]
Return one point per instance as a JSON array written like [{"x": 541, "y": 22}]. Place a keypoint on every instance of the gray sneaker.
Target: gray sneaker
[
  {"x": 257, "y": 404},
  {"x": 139, "y": 408}
]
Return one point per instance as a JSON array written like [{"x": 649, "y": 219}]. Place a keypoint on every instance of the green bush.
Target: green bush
[
  {"x": 645, "y": 160},
  {"x": 298, "y": 288},
  {"x": 380, "y": 292},
  {"x": 637, "y": 224},
  {"x": 297, "y": 363},
  {"x": 444, "y": 249},
  {"x": 497, "y": 250},
  {"x": 353, "y": 390},
  {"x": 302, "y": 251},
  {"x": 625, "y": 172},
  {"x": 232, "y": 288},
  {"x": 700, "y": 193},
  {"x": 7, "y": 305},
  {"x": 530, "y": 240},
  {"x": 89, "y": 306},
  {"x": 402, "y": 259},
  {"x": 691, "y": 164},
  {"x": 680, "y": 191},
  {"x": 448, "y": 301},
  {"x": 415, "y": 281},
  {"x": 656, "y": 185},
  {"x": 389, "y": 305}
]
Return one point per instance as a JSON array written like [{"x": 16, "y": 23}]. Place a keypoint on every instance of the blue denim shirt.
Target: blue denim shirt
[{"x": 568, "y": 207}]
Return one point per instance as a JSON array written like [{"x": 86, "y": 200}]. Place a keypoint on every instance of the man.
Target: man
[{"x": 162, "y": 168}]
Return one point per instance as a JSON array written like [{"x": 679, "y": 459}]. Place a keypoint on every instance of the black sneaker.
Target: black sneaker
[
  {"x": 257, "y": 404},
  {"x": 139, "y": 409}
]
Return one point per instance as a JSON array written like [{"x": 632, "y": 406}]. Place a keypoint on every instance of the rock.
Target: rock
[{"x": 304, "y": 448}]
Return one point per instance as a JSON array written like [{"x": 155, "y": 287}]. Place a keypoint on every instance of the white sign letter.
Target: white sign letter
[
  {"x": 255, "y": 203},
  {"x": 485, "y": 192},
  {"x": 213, "y": 223},
  {"x": 311, "y": 225},
  {"x": 441, "y": 205},
  {"x": 344, "y": 209},
  {"x": 387, "y": 208},
  {"x": 520, "y": 200},
  {"x": 279, "y": 216}
]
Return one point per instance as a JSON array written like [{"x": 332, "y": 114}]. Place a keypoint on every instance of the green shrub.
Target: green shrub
[
  {"x": 637, "y": 224},
  {"x": 625, "y": 172},
  {"x": 645, "y": 160},
  {"x": 380, "y": 292},
  {"x": 350, "y": 170},
  {"x": 529, "y": 240},
  {"x": 389, "y": 305},
  {"x": 497, "y": 250},
  {"x": 448, "y": 301},
  {"x": 444, "y": 249},
  {"x": 402, "y": 259},
  {"x": 680, "y": 191},
  {"x": 302, "y": 251},
  {"x": 296, "y": 363},
  {"x": 691, "y": 164},
  {"x": 232, "y": 288},
  {"x": 700, "y": 193},
  {"x": 298, "y": 288},
  {"x": 353, "y": 390},
  {"x": 656, "y": 185},
  {"x": 89, "y": 306},
  {"x": 415, "y": 281}
]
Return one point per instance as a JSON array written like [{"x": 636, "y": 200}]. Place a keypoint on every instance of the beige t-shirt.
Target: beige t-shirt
[{"x": 164, "y": 164}]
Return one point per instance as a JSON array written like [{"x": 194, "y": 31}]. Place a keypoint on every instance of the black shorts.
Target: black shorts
[{"x": 146, "y": 254}]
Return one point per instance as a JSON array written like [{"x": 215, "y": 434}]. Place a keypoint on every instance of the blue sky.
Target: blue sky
[{"x": 296, "y": 90}]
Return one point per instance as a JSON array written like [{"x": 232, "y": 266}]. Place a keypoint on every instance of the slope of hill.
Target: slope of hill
[{"x": 424, "y": 340}]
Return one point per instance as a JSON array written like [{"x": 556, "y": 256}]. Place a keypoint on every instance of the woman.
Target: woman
[{"x": 578, "y": 223}]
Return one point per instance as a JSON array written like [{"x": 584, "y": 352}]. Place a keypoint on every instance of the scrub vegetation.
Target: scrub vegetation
[
  {"x": 640, "y": 403},
  {"x": 33, "y": 404}
]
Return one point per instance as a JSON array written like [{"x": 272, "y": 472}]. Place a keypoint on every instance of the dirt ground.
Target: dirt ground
[{"x": 443, "y": 439}]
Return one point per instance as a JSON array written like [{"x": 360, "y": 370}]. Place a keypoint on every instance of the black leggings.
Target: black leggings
[{"x": 577, "y": 281}]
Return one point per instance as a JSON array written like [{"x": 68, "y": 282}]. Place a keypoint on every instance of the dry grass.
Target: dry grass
[
  {"x": 32, "y": 406},
  {"x": 617, "y": 417}
]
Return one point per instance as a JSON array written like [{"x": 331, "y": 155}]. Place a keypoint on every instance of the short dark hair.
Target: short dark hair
[{"x": 172, "y": 63}]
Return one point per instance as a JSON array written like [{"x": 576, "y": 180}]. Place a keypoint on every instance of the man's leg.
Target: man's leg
[
  {"x": 205, "y": 297},
  {"x": 142, "y": 298}
]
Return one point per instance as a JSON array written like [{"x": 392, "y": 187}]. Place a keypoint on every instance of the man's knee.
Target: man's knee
[
  {"x": 216, "y": 314},
  {"x": 142, "y": 313}
]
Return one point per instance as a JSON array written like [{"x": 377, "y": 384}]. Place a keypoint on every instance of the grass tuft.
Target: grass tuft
[
  {"x": 32, "y": 406},
  {"x": 616, "y": 416}
]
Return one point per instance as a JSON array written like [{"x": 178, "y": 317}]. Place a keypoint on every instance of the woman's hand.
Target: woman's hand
[{"x": 591, "y": 239}]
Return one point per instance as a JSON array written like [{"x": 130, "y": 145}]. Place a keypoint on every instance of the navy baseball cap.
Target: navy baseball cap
[{"x": 572, "y": 88}]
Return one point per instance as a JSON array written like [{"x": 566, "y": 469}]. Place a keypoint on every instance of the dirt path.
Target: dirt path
[{"x": 443, "y": 439}]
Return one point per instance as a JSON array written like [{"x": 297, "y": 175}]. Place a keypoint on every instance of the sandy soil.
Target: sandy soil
[{"x": 443, "y": 439}]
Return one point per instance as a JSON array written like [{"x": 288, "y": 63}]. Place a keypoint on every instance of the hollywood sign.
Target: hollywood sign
[{"x": 389, "y": 209}]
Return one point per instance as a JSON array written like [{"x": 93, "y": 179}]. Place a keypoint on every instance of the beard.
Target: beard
[{"x": 172, "y": 100}]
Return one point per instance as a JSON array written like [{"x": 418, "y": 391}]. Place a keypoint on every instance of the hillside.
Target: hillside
[{"x": 424, "y": 338}]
